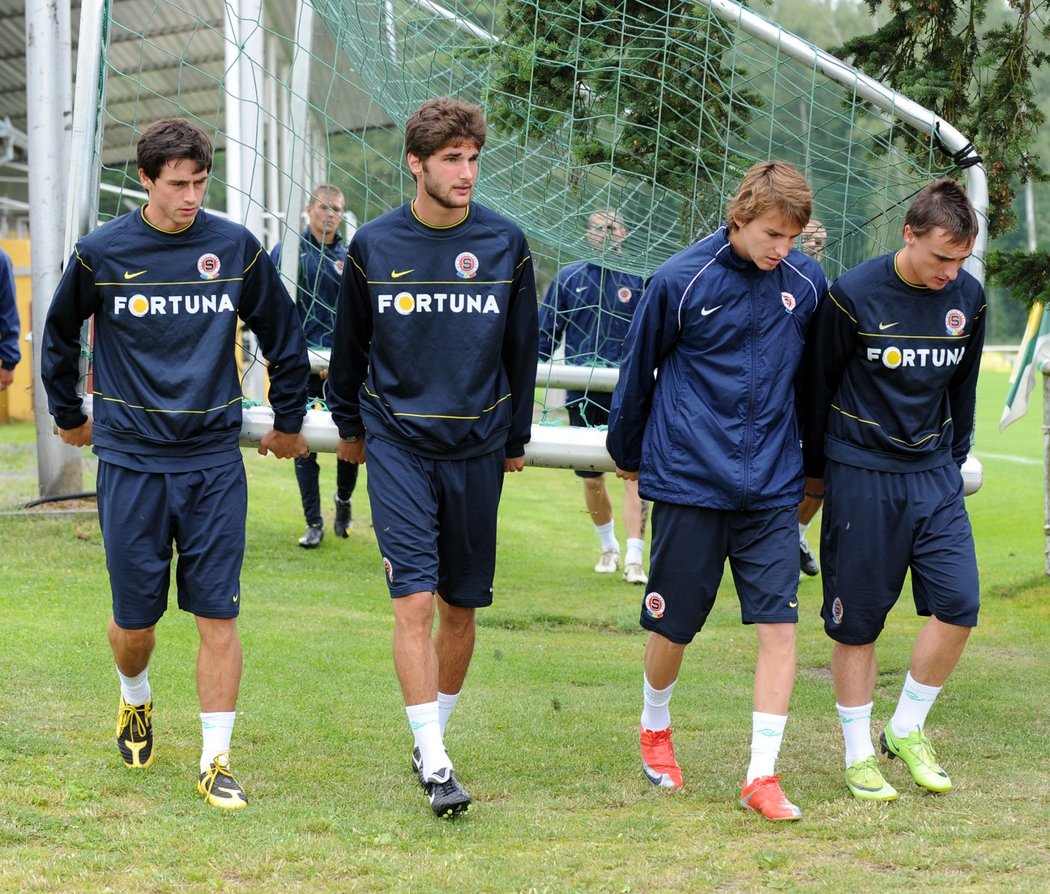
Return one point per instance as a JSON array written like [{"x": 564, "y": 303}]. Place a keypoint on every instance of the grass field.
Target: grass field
[{"x": 544, "y": 737}]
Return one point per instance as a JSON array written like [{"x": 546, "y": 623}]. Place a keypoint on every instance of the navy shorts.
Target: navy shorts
[
  {"x": 689, "y": 552},
  {"x": 877, "y": 526},
  {"x": 589, "y": 410},
  {"x": 202, "y": 513},
  {"x": 435, "y": 520}
]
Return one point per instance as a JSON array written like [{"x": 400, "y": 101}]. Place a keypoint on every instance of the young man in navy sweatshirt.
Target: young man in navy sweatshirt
[
  {"x": 432, "y": 379},
  {"x": 168, "y": 286}
]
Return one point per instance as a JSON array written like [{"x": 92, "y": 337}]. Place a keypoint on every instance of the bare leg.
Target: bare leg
[
  {"x": 454, "y": 645},
  {"x": 599, "y": 503},
  {"x": 663, "y": 660},
  {"x": 854, "y": 670},
  {"x": 415, "y": 658},
  {"x": 219, "y": 663},
  {"x": 635, "y": 511},
  {"x": 936, "y": 652},
  {"x": 131, "y": 648},
  {"x": 775, "y": 668}
]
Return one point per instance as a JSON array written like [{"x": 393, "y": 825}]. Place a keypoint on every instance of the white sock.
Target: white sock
[
  {"x": 446, "y": 703},
  {"x": 856, "y": 731},
  {"x": 802, "y": 528},
  {"x": 607, "y": 534},
  {"x": 655, "y": 713},
  {"x": 914, "y": 704},
  {"x": 767, "y": 732},
  {"x": 424, "y": 719},
  {"x": 135, "y": 690},
  {"x": 634, "y": 551},
  {"x": 216, "y": 732}
]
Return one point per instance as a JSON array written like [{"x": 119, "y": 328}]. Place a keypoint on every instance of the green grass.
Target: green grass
[{"x": 545, "y": 736}]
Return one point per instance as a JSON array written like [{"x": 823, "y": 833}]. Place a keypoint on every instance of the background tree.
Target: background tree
[
  {"x": 618, "y": 82},
  {"x": 975, "y": 63}
]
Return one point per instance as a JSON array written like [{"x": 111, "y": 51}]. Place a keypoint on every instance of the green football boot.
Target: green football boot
[
  {"x": 917, "y": 752},
  {"x": 866, "y": 783}
]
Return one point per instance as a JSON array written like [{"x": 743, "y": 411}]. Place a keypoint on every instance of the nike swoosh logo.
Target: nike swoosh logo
[
  {"x": 792, "y": 605},
  {"x": 397, "y": 274},
  {"x": 885, "y": 326},
  {"x": 132, "y": 275},
  {"x": 709, "y": 310}
]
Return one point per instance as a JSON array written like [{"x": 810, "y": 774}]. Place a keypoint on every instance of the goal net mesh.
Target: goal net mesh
[{"x": 652, "y": 109}]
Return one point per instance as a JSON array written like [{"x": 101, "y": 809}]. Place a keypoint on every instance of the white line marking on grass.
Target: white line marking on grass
[{"x": 1023, "y": 460}]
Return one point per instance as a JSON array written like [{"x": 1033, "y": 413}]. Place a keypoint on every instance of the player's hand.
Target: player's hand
[
  {"x": 7, "y": 376},
  {"x": 514, "y": 464},
  {"x": 625, "y": 475},
  {"x": 323, "y": 374},
  {"x": 283, "y": 445},
  {"x": 351, "y": 451},
  {"x": 81, "y": 436}
]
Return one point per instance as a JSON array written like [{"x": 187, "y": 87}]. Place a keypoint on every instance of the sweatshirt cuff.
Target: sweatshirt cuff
[
  {"x": 515, "y": 449},
  {"x": 288, "y": 424},
  {"x": 71, "y": 420}
]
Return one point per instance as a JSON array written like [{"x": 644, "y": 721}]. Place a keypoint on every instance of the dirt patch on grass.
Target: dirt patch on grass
[{"x": 63, "y": 507}]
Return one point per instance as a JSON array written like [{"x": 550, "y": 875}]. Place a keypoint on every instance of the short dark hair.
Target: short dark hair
[
  {"x": 943, "y": 203},
  {"x": 170, "y": 139},
  {"x": 324, "y": 192},
  {"x": 442, "y": 122}
]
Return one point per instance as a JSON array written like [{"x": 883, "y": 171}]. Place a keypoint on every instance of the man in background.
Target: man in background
[
  {"x": 812, "y": 242},
  {"x": 10, "y": 353},
  {"x": 590, "y": 307},
  {"x": 322, "y": 254}
]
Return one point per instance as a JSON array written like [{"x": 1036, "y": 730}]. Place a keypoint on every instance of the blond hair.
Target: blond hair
[{"x": 771, "y": 186}]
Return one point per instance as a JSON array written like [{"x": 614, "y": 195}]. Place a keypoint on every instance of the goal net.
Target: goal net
[{"x": 651, "y": 111}]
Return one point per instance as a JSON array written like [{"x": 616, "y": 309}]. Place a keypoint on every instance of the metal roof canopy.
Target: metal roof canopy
[
  {"x": 207, "y": 56},
  {"x": 168, "y": 56}
]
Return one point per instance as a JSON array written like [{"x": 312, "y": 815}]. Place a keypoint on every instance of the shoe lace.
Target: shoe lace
[
  {"x": 921, "y": 748},
  {"x": 661, "y": 756},
  {"x": 447, "y": 788},
  {"x": 768, "y": 788},
  {"x": 657, "y": 736},
  {"x": 216, "y": 769},
  {"x": 865, "y": 770},
  {"x": 135, "y": 719}
]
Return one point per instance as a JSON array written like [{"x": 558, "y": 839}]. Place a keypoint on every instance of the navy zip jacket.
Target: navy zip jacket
[
  {"x": 320, "y": 271},
  {"x": 705, "y": 406},
  {"x": 591, "y": 306},
  {"x": 891, "y": 372},
  {"x": 10, "y": 353},
  {"x": 166, "y": 306},
  {"x": 435, "y": 340}
]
